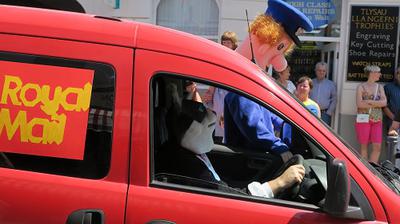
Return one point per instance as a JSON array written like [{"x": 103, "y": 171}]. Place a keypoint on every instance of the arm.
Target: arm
[
  {"x": 193, "y": 94},
  {"x": 382, "y": 101},
  {"x": 388, "y": 113},
  {"x": 395, "y": 125},
  {"x": 386, "y": 109},
  {"x": 333, "y": 101},
  {"x": 277, "y": 122},
  {"x": 208, "y": 96},
  {"x": 362, "y": 104},
  {"x": 254, "y": 122},
  {"x": 294, "y": 174}
]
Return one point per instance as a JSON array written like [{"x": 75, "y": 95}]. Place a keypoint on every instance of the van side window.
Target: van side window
[
  {"x": 190, "y": 151},
  {"x": 189, "y": 155},
  {"x": 71, "y": 134}
]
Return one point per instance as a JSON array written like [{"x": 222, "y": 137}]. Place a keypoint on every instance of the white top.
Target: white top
[
  {"x": 290, "y": 86},
  {"x": 218, "y": 107},
  {"x": 260, "y": 190}
]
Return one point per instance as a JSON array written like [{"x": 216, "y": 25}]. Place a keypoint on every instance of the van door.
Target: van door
[
  {"x": 64, "y": 137},
  {"x": 159, "y": 196}
]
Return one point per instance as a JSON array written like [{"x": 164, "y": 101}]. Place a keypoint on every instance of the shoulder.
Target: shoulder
[
  {"x": 310, "y": 102},
  {"x": 330, "y": 82},
  {"x": 230, "y": 97},
  {"x": 312, "y": 106},
  {"x": 291, "y": 85},
  {"x": 315, "y": 81},
  {"x": 381, "y": 87},
  {"x": 238, "y": 102},
  {"x": 360, "y": 86},
  {"x": 313, "y": 102},
  {"x": 389, "y": 86}
]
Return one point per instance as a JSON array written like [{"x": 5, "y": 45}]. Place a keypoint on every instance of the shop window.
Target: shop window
[{"x": 192, "y": 16}]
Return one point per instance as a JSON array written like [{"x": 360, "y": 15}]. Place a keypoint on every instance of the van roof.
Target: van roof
[
  {"x": 57, "y": 24},
  {"x": 65, "y": 25}
]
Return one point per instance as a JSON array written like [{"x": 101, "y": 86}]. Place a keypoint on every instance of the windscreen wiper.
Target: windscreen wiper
[
  {"x": 389, "y": 165},
  {"x": 391, "y": 174}
]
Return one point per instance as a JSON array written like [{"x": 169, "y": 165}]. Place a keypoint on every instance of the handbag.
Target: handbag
[{"x": 364, "y": 118}]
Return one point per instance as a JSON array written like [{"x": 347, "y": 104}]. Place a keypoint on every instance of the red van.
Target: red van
[{"x": 84, "y": 116}]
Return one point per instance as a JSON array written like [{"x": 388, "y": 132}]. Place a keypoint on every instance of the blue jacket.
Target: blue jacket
[{"x": 251, "y": 126}]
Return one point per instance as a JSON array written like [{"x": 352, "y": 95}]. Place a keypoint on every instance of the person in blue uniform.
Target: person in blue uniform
[
  {"x": 251, "y": 126},
  {"x": 246, "y": 123}
]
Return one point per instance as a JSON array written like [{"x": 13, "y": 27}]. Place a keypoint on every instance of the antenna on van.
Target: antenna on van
[{"x": 251, "y": 44}]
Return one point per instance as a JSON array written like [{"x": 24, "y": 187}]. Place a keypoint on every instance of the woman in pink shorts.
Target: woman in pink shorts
[{"x": 370, "y": 100}]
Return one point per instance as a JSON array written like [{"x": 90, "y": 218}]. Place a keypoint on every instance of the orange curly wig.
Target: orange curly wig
[{"x": 268, "y": 31}]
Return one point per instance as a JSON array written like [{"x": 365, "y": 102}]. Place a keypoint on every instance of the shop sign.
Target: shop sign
[
  {"x": 373, "y": 41},
  {"x": 320, "y": 12}
]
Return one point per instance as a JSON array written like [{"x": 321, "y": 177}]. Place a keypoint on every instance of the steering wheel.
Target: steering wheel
[{"x": 293, "y": 191}]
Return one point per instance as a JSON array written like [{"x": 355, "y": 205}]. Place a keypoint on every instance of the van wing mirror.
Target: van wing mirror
[{"x": 338, "y": 192}]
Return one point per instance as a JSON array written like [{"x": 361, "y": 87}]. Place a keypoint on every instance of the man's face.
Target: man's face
[
  {"x": 320, "y": 71},
  {"x": 275, "y": 55},
  {"x": 227, "y": 43}
]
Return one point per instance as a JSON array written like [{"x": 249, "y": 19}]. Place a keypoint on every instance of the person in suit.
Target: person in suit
[{"x": 186, "y": 154}]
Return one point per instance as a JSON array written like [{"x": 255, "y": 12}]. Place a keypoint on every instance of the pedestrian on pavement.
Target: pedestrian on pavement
[
  {"x": 304, "y": 86},
  {"x": 370, "y": 99},
  {"x": 324, "y": 93},
  {"x": 283, "y": 78},
  {"x": 229, "y": 39},
  {"x": 392, "y": 92}
]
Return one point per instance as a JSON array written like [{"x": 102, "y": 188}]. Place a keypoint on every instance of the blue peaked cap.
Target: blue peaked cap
[{"x": 290, "y": 18}]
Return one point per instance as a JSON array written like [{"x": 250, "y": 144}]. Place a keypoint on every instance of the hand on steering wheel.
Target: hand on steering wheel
[{"x": 290, "y": 175}]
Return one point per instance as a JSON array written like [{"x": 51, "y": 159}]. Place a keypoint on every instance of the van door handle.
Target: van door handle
[
  {"x": 160, "y": 221},
  {"x": 86, "y": 216}
]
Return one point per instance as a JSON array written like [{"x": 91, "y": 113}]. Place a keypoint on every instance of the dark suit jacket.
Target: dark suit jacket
[{"x": 173, "y": 159}]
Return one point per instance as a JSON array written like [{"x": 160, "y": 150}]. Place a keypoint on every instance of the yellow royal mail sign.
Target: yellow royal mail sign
[{"x": 44, "y": 109}]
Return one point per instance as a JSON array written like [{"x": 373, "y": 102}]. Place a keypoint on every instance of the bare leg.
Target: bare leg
[
  {"x": 364, "y": 151},
  {"x": 376, "y": 152}
]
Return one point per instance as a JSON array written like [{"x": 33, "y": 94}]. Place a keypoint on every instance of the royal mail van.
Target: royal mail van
[{"x": 84, "y": 115}]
